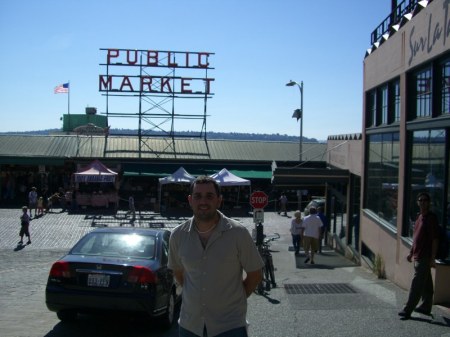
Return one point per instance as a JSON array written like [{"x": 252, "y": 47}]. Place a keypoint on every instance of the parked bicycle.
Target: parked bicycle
[{"x": 268, "y": 280}]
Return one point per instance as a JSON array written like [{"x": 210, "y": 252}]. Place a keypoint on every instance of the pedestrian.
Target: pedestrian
[
  {"x": 32, "y": 200},
  {"x": 311, "y": 228},
  {"x": 24, "y": 226},
  {"x": 423, "y": 253},
  {"x": 283, "y": 204},
  {"x": 62, "y": 199},
  {"x": 132, "y": 208},
  {"x": 208, "y": 254},
  {"x": 74, "y": 202},
  {"x": 52, "y": 200},
  {"x": 325, "y": 227},
  {"x": 40, "y": 206},
  {"x": 296, "y": 229}
]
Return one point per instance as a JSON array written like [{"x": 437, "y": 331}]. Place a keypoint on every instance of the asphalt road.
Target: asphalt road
[{"x": 370, "y": 310}]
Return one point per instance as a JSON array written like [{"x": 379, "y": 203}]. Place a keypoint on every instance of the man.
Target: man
[
  {"x": 325, "y": 227},
  {"x": 283, "y": 204},
  {"x": 32, "y": 201},
  {"x": 311, "y": 229},
  {"x": 423, "y": 252},
  {"x": 208, "y": 254}
]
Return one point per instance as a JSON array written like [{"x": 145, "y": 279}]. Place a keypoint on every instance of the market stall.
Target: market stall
[
  {"x": 96, "y": 186},
  {"x": 173, "y": 189},
  {"x": 235, "y": 190}
]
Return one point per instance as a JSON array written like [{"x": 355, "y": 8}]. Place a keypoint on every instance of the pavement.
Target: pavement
[{"x": 334, "y": 297}]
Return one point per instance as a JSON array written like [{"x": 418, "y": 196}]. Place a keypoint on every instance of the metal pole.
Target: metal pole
[
  {"x": 298, "y": 113},
  {"x": 301, "y": 121}
]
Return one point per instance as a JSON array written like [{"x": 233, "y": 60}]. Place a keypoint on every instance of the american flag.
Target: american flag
[{"x": 62, "y": 88}]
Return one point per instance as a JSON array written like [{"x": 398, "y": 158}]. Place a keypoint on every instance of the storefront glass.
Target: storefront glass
[
  {"x": 427, "y": 172},
  {"x": 382, "y": 176}
]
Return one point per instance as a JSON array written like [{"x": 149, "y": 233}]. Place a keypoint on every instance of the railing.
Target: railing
[{"x": 404, "y": 7}]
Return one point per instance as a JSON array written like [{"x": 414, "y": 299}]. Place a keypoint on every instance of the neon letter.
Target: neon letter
[
  {"x": 185, "y": 84},
  {"x": 112, "y": 53},
  {"x": 200, "y": 56},
  {"x": 126, "y": 82},
  {"x": 135, "y": 56},
  {"x": 147, "y": 81},
  {"x": 152, "y": 58},
  {"x": 170, "y": 63},
  {"x": 104, "y": 85},
  {"x": 165, "y": 82},
  {"x": 207, "y": 84}
]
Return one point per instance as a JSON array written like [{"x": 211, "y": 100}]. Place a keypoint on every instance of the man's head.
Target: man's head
[
  {"x": 423, "y": 200},
  {"x": 312, "y": 210},
  {"x": 205, "y": 198},
  {"x": 205, "y": 180}
]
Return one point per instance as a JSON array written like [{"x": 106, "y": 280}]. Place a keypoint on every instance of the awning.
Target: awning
[
  {"x": 284, "y": 177},
  {"x": 253, "y": 174},
  {"x": 197, "y": 169},
  {"x": 31, "y": 161}
]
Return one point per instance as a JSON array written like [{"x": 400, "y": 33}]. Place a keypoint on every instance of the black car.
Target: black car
[
  {"x": 115, "y": 270},
  {"x": 316, "y": 203}
]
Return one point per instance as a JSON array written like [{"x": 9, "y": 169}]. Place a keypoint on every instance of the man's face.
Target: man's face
[
  {"x": 423, "y": 202},
  {"x": 204, "y": 201}
]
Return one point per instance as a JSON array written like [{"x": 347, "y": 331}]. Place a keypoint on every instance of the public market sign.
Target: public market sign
[{"x": 145, "y": 71}]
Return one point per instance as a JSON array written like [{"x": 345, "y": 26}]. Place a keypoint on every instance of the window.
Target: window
[
  {"x": 423, "y": 90},
  {"x": 384, "y": 104},
  {"x": 371, "y": 108},
  {"x": 382, "y": 175},
  {"x": 427, "y": 173},
  {"x": 445, "y": 87},
  {"x": 395, "y": 97}
]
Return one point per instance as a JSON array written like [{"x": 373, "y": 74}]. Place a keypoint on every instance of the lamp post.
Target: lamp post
[{"x": 298, "y": 113}]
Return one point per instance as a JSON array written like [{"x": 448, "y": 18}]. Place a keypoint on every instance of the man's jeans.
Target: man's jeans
[{"x": 421, "y": 287}]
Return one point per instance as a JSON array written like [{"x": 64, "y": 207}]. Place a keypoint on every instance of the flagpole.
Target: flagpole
[{"x": 68, "y": 99}]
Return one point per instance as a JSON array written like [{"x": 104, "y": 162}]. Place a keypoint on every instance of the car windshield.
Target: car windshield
[{"x": 116, "y": 244}]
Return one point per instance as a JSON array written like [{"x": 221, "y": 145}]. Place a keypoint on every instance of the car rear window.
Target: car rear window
[{"x": 116, "y": 244}]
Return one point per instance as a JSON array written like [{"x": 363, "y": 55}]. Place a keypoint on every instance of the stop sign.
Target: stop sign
[{"x": 259, "y": 199}]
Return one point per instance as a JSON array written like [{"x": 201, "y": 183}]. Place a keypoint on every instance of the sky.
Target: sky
[{"x": 258, "y": 46}]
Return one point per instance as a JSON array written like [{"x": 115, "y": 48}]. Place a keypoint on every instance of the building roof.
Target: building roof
[{"x": 54, "y": 149}]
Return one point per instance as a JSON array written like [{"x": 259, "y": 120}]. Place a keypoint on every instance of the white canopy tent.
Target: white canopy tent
[
  {"x": 226, "y": 178},
  {"x": 180, "y": 176}
]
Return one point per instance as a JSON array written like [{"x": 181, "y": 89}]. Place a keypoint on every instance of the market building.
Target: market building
[{"x": 406, "y": 126}]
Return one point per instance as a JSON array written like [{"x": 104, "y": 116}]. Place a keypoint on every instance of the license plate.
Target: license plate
[{"x": 98, "y": 280}]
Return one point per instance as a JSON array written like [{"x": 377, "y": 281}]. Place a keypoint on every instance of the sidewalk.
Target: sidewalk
[{"x": 334, "y": 297}]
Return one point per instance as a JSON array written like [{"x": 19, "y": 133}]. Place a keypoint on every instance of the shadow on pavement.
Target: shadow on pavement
[
  {"x": 107, "y": 326},
  {"x": 324, "y": 260}
]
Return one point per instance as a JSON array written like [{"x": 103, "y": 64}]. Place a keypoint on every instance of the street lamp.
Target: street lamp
[{"x": 298, "y": 113}]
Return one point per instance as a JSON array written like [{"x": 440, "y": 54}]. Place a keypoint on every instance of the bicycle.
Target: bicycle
[{"x": 268, "y": 280}]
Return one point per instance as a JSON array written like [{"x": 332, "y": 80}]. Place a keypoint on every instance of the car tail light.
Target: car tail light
[
  {"x": 60, "y": 269},
  {"x": 142, "y": 275}
]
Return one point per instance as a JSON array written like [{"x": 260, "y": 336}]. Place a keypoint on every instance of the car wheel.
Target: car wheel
[
  {"x": 168, "y": 317},
  {"x": 67, "y": 315}
]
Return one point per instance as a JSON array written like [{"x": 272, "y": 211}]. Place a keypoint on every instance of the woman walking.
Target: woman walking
[{"x": 296, "y": 228}]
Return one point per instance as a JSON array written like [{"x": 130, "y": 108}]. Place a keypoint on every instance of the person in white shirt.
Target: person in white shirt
[
  {"x": 296, "y": 230},
  {"x": 311, "y": 229},
  {"x": 32, "y": 201}
]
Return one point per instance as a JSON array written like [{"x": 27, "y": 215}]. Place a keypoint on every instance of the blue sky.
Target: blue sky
[{"x": 259, "y": 46}]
